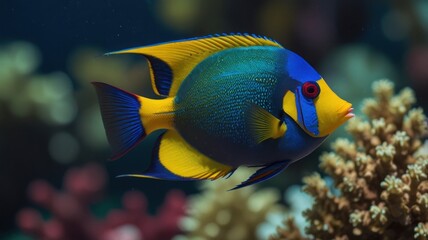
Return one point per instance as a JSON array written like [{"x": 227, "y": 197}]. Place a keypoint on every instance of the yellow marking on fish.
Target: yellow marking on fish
[
  {"x": 176, "y": 155},
  {"x": 156, "y": 113}
]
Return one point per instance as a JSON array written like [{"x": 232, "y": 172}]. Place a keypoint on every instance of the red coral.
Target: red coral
[{"x": 71, "y": 217}]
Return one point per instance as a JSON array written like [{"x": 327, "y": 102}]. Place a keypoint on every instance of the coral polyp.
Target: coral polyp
[{"x": 216, "y": 213}]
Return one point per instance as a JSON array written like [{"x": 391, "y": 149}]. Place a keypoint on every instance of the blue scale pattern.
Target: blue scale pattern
[{"x": 213, "y": 101}]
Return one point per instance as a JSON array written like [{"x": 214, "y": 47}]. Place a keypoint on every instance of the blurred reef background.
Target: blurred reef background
[{"x": 56, "y": 181}]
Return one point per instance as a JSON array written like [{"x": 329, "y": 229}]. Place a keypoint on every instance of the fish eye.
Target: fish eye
[{"x": 311, "y": 90}]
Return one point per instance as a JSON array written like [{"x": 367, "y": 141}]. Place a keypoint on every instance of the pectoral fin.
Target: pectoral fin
[
  {"x": 264, "y": 125},
  {"x": 174, "y": 159},
  {"x": 264, "y": 173}
]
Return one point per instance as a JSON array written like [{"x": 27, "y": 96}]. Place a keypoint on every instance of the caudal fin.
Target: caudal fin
[{"x": 121, "y": 118}]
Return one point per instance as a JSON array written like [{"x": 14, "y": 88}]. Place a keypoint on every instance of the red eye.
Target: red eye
[{"x": 311, "y": 90}]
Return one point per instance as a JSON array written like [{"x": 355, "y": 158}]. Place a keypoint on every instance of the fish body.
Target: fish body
[
  {"x": 229, "y": 101},
  {"x": 213, "y": 101}
]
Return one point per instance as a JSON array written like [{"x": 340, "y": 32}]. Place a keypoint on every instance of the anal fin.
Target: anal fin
[
  {"x": 264, "y": 173},
  {"x": 174, "y": 159}
]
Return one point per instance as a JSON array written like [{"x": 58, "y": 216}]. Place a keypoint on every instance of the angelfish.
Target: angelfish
[{"x": 227, "y": 101}]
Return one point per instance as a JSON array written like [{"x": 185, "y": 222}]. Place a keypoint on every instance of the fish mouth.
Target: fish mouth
[{"x": 349, "y": 113}]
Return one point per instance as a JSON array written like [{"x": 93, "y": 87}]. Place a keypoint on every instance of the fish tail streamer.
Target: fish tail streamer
[{"x": 129, "y": 118}]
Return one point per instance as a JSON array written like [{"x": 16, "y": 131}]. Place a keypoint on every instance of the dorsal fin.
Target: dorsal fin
[{"x": 171, "y": 62}]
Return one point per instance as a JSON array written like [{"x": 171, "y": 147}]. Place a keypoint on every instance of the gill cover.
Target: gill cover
[{"x": 306, "y": 112}]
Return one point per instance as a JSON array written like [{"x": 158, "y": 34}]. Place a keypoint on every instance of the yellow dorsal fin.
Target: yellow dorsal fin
[{"x": 171, "y": 62}]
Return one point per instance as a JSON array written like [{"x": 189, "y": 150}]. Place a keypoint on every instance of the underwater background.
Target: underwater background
[{"x": 55, "y": 179}]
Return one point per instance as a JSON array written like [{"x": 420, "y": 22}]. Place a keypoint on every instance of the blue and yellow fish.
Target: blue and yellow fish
[{"x": 228, "y": 101}]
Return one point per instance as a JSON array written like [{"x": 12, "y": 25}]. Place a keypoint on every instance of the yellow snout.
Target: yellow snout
[{"x": 332, "y": 111}]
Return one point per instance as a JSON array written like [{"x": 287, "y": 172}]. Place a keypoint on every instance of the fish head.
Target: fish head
[{"x": 311, "y": 102}]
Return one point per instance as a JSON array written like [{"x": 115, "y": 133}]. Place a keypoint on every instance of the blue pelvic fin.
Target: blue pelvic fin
[
  {"x": 264, "y": 125},
  {"x": 171, "y": 62},
  {"x": 264, "y": 173},
  {"x": 121, "y": 118},
  {"x": 306, "y": 112},
  {"x": 174, "y": 159}
]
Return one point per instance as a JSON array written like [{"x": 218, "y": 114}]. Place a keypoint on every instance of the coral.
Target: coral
[
  {"x": 28, "y": 94},
  {"x": 220, "y": 214},
  {"x": 298, "y": 201},
  {"x": 72, "y": 219},
  {"x": 37, "y": 100},
  {"x": 381, "y": 176}
]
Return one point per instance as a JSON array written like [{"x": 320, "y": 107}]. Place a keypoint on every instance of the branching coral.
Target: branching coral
[
  {"x": 72, "y": 219},
  {"x": 381, "y": 176},
  {"x": 220, "y": 214},
  {"x": 28, "y": 94}
]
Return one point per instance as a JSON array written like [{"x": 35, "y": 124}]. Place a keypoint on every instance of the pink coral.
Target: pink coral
[{"x": 72, "y": 219}]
